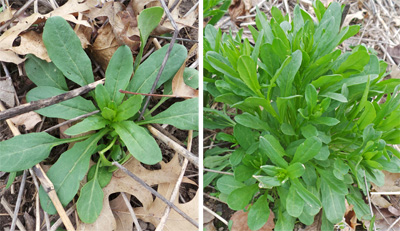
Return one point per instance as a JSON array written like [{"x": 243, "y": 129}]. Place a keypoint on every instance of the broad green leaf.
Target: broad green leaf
[
  {"x": 68, "y": 109},
  {"x": 307, "y": 150},
  {"x": 286, "y": 77},
  {"x": 323, "y": 153},
  {"x": 326, "y": 225},
  {"x": 43, "y": 73},
  {"x": 252, "y": 121},
  {"x": 221, "y": 64},
  {"x": 129, "y": 108},
  {"x": 94, "y": 122},
  {"x": 262, "y": 23},
  {"x": 285, "y": 222},
  {"x": 335, "y": 184},
  {"x": 338, "y": 97},
  {"x": 360, "y": 207},
  {"x": 183, "y": 115},
  {"x": 237, "y": 156},
  {"x": 65, "y": 50},
  {"x": 243, "y": 172},
  {"x": 90, "y": 202},
  {"x": 311, "y": 97},
  {"x": 102, "y": 97},
  {"x": 306, "y": 218},
  {"x": 368, "y": 116},
  {"x": 146, "y": 74},
  {"x": 295, "y": 170},
  {"x": 191, "y": 77},
  {"x": 329, "y": 121},
  {"x": 326, "y": 80},
  {"x": 294, "y": 203},
  {"x": 103, "y": 174},
  {"x": 271, "y": 147},
  {"x": 118, "y": 73},
  {"x": 247, "y": 69},
  {"x": 24, "y": 151},
  {"x": 244, "y": 136},
  {"x": 313, "y": 202},
  {"x": 259, "y": 213},
  {"x": 240, "y": 198},
  {"x": 138, "y": 141},
  {"x": 108, "y": 114},
  {"x": 287, "y": 129},
  {"x": 227, "y": 184},
  {"x": 332, "y": 202},
  {"x": 68, "y": 171},
  {"x": 309, "y": 131},
  {"x": 268, "y": 181},
  {"x": 214, "y": 161}
]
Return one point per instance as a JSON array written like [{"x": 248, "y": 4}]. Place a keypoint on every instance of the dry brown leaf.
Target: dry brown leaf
[
  {"x": 394, "y": 211},
  {"x": 350, "y": 217},
  {"x": 358, "y": 15},
  {"x": 29, "y": 119},
  {"x": 239, "y": 8},
  {"x": 395, "y": 72},
  {"x": 209, "y": 227},
  {"x": 179, "y": 88},
  {"x": 7, "y": 91},
  {"x": 121, "y": 182},
  {"x": 104, "y": 46},
  {"x": 6, "y": 15},
  {"x": 239, "y": 219},
  {"x": 392, "y": 183},
  {"x": 10, "y": 57},
  {"x": 394, "y": 53},
  {"x": 378, "y": 200},
  {"x": 32, "y": 43}
]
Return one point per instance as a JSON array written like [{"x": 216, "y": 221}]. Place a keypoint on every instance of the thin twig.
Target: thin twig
[
  {"x": 177, "y": 39},
  {"x": 177, "y": 185},
  {"x": 369, "y": 198},
  {"x": 20, "y": 11},
  {"x": 385, "y": 193},
  {"x": 133, "y": 215},
  {"x": 6, "y": 206},
  {"x": 37, "y": 204},
  {"x": 171, "y": 45},
  {"x": 38, "y": 104},
  {"x": 19, "y": 199},
  {"x": 59, "y": 221},
  {"x": 172, "y": 144},
  {"x": 394, "y": 223},
  {"x": 71, "y": 120},
  {"x": 155, "y": 193},
  {"x": 215, "y": 215}
]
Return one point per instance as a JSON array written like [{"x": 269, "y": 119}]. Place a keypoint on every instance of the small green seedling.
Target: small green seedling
[
  {"x": 107, "y": 134},
  {"x": 308, "y": 128}
]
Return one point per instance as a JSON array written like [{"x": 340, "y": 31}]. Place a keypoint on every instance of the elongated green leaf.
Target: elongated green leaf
[
  {"x": 311, "y": 96},
  {"x": 284, "y": 222},
  {"x": 326, "y": 121},
  {"x": 294, "y": 203},
  {"x": 295, "y": 170},
  {"x": 129, "y": 108},
  {"x": 333, "y": 203},
  {"x": 118, "y": 73},
  {"x": 307, "y": 150},
  {"x": 335, "y": 184},
  {"x": 68, "y": 109},
  {"x": 313, "y": 202},
  {"x": 247, "y": 69},
  {"x": 252, "y": 121},
  {"x": 146, "y": 74},
  {"x": 43, "y": 73},
  {"x": 24, "y": 151},
  {"x": 227, "y": 184},
  {"x": 103, "y": 174},
  {"x": 191, "y": 77},
  {"x": 102, "y": 97},
  {"x": 68, "y": 171},
  {"x": 221, "y": 64},
  {"x": 309, "y": 131},
  {"x": 148, "y": 20},
  {"x": 271, "y": 147},
  {"x": 65, "y": 50},
  {"x": 138, "y": 141},
  {"x": 90, "y": 202},
  {"x": 339, "y": 97},
  {"x": 286, "y": 77},
  {"x": 183, "y": 115},
  {"x": 259, "y": 213},
  {"x": 268, "y": 181},
  {"x": 94, "y": 122},
  {"x": 241, "y": 197}
]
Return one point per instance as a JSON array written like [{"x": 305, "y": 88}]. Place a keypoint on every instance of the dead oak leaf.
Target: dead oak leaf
[
  {"x": 179, "y": 88},
  {"x": 239, "y": 219},
  {"x": 29, "y": 120}
]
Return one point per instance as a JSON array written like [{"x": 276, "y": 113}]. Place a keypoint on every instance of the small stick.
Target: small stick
[
  {"x": 37, "y": 212},
  {"x": 191, "y": 9},
  {"x": 155, "y": 193},
  {"x": 128, "y": 204},
  {"x": 20, "y": 11},
  {"x": 157, "y": 95},
  {"x": 394, "y": 223},
  {"x": 177, "y": 185},
  {"x": 38, "y": 104},
  {"x": 172, "y": 144},
  {"x": 71, "y": 120},
  {"x": 385, "y": 193},
  {"x": 6, "y": 206},
  {"x": 215, "y": 171},
  {"x": 369, "y": 198},
  {"x": 19, "y": 199},
  {"x": 59, "y": 221},
  {"x": 46, "y": 217},
  {"x": 165, "y": 132},
  {"x": 215, "y": 215}
]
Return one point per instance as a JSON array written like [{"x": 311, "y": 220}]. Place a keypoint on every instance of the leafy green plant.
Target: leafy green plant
[
  {"x": 115, "y": 127},
  {"x": 215, "y": 9},
  {"x": 307, "y": 123}
]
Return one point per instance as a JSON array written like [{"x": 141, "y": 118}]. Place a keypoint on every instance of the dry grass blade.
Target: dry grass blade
[
  {"x": 7, "y": 206},
  {"x": 19, "y": 199}
]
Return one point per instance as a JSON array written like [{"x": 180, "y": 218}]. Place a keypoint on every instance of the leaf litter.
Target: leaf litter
[{"x": 102, "y": 34}]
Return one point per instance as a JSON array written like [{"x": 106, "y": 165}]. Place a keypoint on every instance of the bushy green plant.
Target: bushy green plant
[
  {"x": 116, "y": 129},
  {"x": 308, "y": 125}
]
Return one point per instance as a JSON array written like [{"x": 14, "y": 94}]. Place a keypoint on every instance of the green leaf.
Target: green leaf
[
  {"x": 287, "y": 129},
  {"x": 118, "y": 73},
  {"x": 24, "y": 151},
  {"x": 94, "y": 122},
  {"x": 313, "y": 202},
  {"x": 268, "y": 181},
  {"x": 227, "y": 184},
  {"x": 138, "y": 141},
  {"x": 311, "y": 97},
  {"x": 43, "y": 73},
  {"x": 294, "y": 203},
  {"x": 296, "y": 170},
  {"x": 90, "y": 202},
  {"x": 191, "y": 77},
  {"x": 309, "y": 131},
  {"x": 68, "y": 171},
  {"x": 286, "y": 77},
  {"x": 367, "y": 117},
  {"x": 329, "y": 121},
  {"x": 129, "y": 108},
  {"x": 271, "y": 147},
  {"x": 333, "y": 203},
  {"x": 247, "y": 69},
  {"x": 103, "y": 174},
  {"x": 221, "y": 64},
  {"x": 108, "y": 114},
  {"x": 259, "y": 213},
  {"x": 285, "y": 222},
  {"x": 335, "y": 184},
  {"x": 10, "y": 180},
  {"x": 65, "y": 50},
  {"x": 251, "y": 121},
  {"x": 240, "y": 198},
  {"x": 335, "y": 96},
  {"x": 244, "y": 136},
  {"x": 68, "y": 109},
  {"x": 183, "y": 115},
  {"x": 360, "y": 207},
  {"x": 307, "y": 150},
  {"x": 146, "y": 74},
  {"x": 102, "y": 97}
]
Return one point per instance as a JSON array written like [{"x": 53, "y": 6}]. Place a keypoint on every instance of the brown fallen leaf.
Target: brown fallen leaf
[
  {"x": 6, "y": 15},
  {"x": 394, "y": 53},
  {"x": 29, "y": 120},
  {"x": 179, "y": 88},
  {"x": 104, "y": 46},
  {"x": 391, "y": 183},
  {"x": 239, "y": 8},
  {"x": 239, "y": 219},
  {"x": 358, "y": 15},
  {"x": 7, "y": 91},
  {"x": 121, "y": 182},
  {"x": 350, "y": 217},
  {"x": 10, "y": 57},
  {"x": 395, "y": 72}
]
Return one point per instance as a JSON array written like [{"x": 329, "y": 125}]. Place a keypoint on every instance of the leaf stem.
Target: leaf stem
[{"x": 103, "y": 159}]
